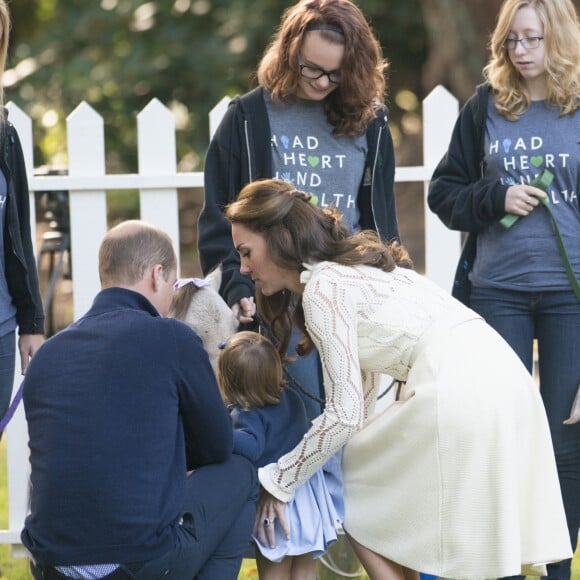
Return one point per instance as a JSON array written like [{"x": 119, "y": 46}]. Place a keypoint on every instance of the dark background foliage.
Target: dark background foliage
[{"x": 119, "y": 54}]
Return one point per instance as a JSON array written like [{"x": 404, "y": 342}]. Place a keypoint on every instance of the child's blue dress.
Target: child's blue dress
[{"x": 316, "y": 512}]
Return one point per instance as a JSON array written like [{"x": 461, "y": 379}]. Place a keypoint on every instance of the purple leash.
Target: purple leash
[{"x": 12, "y": 408}]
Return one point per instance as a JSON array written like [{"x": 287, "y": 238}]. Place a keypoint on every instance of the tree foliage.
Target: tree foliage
[{"x": 119, "y": 54}]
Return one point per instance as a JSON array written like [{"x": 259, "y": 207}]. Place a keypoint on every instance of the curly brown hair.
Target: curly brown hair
[{"x": 353, "y": 105}]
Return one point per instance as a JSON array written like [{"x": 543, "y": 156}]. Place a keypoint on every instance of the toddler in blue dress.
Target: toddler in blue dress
[{"x": 269, "y": 420}]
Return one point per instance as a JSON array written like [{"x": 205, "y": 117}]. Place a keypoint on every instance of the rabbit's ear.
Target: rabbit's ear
[
  {"x": 215, "y": 277},
  {"x": 575, "y": 411}
]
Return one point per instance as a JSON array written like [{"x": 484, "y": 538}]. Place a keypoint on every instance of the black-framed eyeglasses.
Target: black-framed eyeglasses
[
  {"x": 315, "y": 72},
  {"x": 529, "y": 43}
]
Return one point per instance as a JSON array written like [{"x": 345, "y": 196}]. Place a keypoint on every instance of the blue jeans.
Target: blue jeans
[
  {"x": 553, "y": 318},
  {"x": 218, "y": 517},
  {"x": 7, "y": 361}
]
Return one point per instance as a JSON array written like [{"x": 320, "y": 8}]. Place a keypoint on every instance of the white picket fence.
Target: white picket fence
[{"x": 157, "y": 182}]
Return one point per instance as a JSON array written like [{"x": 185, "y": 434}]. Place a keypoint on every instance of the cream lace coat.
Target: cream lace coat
[
  {"x": 457, "y": 478},
  {"x": 363, "y": 322}
]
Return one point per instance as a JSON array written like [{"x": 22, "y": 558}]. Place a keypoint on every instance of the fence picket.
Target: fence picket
[
  {"x": 216, "y": 115},
  {"x": 88, "y": 208},
  {"x": 157, "y": 156},
  {"x": 442, "y": 246}
]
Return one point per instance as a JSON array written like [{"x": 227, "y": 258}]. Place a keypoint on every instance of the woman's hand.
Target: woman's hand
[
  {"x": 28, "y": 344},
  {"x": 269, "y": 509},
  {"x": 245, "y": 310},
  {"x": 523, "y": 199}
]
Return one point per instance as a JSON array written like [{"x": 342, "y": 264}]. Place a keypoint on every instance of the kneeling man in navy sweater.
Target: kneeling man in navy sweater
[{"x": 120, "y": 406}]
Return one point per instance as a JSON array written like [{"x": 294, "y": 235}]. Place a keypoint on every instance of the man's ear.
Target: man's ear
[{"x": 156, "y": 274}]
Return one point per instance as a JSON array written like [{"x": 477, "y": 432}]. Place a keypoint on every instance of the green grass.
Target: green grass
[
  {"x": 10, "y": 568},
  {"x": 17, "y": 568}
]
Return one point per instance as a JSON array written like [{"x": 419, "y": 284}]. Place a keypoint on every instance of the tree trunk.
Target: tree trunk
[{"x": 458, "y": 34}]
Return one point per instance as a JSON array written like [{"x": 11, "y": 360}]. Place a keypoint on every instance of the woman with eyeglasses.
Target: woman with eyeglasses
[
  {"x": 513, "y": 163},
  {"x": 317, "y": 120}
]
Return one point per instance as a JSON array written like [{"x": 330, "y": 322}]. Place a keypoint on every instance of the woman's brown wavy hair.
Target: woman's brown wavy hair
[
  {"x": 562, "y": 47},
  {"x": 296, "y": 232},
  {"x": 352, "y": 106}
]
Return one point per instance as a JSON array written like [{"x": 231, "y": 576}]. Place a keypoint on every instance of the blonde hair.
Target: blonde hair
[
  {"x": 562, "y": 47},
  {"x": 4, "y": 40},
  {"x": 250, "y": 371},
  {"x": 129, "y": 249},
  {"x": 352, "y": 106}
]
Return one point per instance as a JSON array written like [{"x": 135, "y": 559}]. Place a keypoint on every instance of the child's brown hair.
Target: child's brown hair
[{"x": 250, "y": 371}]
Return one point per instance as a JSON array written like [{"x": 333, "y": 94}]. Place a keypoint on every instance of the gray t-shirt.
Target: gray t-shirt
[
  {"x": 526, "y": 256},
  {"x": 307, "y": 154},
  {"x": 7, "y": 308}
]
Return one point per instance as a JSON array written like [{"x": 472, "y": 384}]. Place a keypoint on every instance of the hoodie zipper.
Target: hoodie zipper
[
  {"x": 10, "y": 199},
  {"x": 246, "y": 134},
  {"x": 373, "y": 179}
]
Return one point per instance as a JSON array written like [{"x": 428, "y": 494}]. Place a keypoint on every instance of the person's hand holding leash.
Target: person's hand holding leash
[
  {"x": 523, "y": 199},
  {"x": 245, "y": 310}
]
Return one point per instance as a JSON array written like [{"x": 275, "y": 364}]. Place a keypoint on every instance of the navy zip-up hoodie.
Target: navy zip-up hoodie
[
  {"x": 240, "y": 153},
  {"x": 20, "y": 264}
]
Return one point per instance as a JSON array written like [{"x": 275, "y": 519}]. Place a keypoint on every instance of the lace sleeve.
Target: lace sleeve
[{"x": 331, "y": 318}]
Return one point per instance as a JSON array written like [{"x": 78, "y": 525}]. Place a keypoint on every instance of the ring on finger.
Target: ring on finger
[{"x": 268, "y": 521}]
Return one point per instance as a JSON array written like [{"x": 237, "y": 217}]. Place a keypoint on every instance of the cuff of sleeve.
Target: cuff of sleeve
[
  {"x": 499, "y": 199},
  {"x": 234, "y": 295},
  {"x": 34, "y": 326},
  {"x": 265, "y": 475}
]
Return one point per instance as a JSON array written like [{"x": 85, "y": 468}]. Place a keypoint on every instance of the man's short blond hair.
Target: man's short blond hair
[{"x": 130, "y": 249}]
